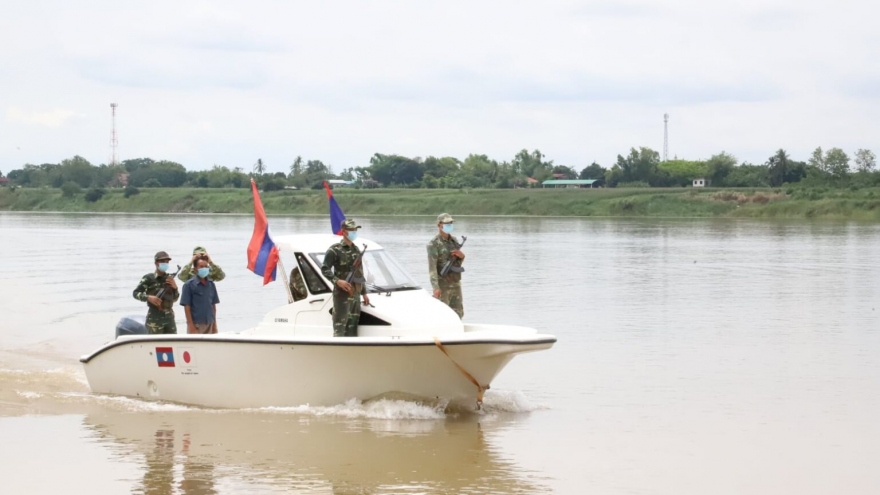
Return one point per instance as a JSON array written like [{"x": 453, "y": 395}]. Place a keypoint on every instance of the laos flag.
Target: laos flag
[
  {"x": 336, "y": 215},
  {"x": 261, "y": 252}
]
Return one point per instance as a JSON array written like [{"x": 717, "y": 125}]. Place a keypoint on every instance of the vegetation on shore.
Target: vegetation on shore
[{"x": 790, "y": 202}]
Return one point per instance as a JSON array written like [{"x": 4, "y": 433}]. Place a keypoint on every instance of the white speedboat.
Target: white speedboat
[{"x": 409, "y": 344}]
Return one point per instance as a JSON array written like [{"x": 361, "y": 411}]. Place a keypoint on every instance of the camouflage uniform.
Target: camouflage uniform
[
  {"x": 346, "y": 308},
  {"x": 439, "y": 252},
  {"x": 216, "y": 273},
  {"x": 158, "y": 320}
]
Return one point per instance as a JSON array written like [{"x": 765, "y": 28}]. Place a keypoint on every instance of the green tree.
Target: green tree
[
  {"x": 837, "y": 163},
  {"x": 296, "y": 167},
  {"x": 593, "y": 171},
  {"x": 679, "y": 173},
  {"x": 865, "y": 160},
  {"x": 531, "y": 164},
  {"x": 259, "y": 167},
  {"x": 166, "y": 173},
  {"x": 639, "y": 166},
  {"x": 77, "y": 169},
  {"x": 567, "y": 172},
  {"x": 718, "y": 167},
  {"x": 70, "y": 189},
  {"x": 441, "y": 167},
  {"x": 817, "y": 160},
  {"x": 747, "y": 175},
  {"x": 777, "y": 167}
]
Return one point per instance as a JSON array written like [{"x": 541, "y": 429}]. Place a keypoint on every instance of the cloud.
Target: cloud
[{"x": 51, "y": 118}]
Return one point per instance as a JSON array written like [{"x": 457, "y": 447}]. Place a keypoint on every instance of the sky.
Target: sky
[{"x": 225, "y": 83}]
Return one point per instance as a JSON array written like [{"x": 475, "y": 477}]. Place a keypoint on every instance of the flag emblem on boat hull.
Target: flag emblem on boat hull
[{"x": 165, "y": 357}]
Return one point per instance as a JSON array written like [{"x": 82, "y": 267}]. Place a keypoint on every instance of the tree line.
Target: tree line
[{"x": 641, "y": 167}]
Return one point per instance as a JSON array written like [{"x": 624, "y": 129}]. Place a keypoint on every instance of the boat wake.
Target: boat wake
[{"x": 65, "y": 390}]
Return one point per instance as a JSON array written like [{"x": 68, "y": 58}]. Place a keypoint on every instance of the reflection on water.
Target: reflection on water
[{"x": 198, "y": 451}]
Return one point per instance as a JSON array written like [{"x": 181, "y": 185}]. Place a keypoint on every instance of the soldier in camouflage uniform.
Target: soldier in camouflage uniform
[
  {"x": 441, "y": 248},
  {"x": 337, "y": 265},
  {"x": 216, "y": 274},
  {"x": 160, "y": 312}
]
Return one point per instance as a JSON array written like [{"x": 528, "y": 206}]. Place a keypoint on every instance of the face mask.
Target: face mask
[
  {"x": 203, "y": 272},
  {"x": 163, "y": 267},
  {"x": 447, "y": 228},
  {"x": 352, "y": 235}
]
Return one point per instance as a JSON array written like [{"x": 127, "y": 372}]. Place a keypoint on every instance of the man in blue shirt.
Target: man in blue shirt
[{"x": 200, "y": 299}]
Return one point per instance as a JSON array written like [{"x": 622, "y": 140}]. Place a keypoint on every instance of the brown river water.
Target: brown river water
[{"x": 694, "y": 356}]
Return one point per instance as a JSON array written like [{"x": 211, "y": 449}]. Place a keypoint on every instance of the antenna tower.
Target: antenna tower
[
  {"x": 114, "y": 158},
  {"x": 665, "y": 137}
]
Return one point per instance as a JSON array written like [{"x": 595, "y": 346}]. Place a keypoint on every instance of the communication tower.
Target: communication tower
[
  {"x": 114, "y": 158},
  {"x": 665, "y": 137}
]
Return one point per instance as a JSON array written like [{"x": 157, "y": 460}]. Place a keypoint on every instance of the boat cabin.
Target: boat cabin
[{"x": 399, "y": 306}]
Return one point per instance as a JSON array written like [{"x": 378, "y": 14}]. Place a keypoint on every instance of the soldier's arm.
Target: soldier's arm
[
  {"x": 432, "y": 266},
  {"x": 217, "y": 273},
  {"x": 140, "y": 292},
  {"x": 186, "y": 272},
  {"x": 326, "y": 267}
]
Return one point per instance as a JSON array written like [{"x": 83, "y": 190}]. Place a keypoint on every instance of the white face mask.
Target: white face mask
[
  {"x": 352, "y": 235},
  {"x": 447, "y": 228}
]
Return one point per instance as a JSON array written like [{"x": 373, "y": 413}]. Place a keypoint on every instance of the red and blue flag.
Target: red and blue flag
[
  {"x": 261, "y": 252},
  {"x": 165, "y": 357},
  {"x": 336, "y": 215}
]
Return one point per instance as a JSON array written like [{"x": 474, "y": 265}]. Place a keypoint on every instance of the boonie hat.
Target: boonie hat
[
  {"x": 199, "y": 250},
  {"x": 445, "y": 218},
  {"x": 349, "y": 224},
  {"x": 161, "y": 255}
]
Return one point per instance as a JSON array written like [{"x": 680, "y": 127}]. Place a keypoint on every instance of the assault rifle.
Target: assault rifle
[
  {"x": 161, "y": 292},
  {"x": 357, "y": 262},
  {"x": 454, "y": 264}
]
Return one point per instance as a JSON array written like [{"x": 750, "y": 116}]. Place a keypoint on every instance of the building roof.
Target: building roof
[
  {"x": 570, "y": 182},
  {"x": 531, "y": 180}
]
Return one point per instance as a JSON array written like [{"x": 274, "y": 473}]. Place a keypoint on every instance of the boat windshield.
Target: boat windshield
[{"x": 381, "y": 271}]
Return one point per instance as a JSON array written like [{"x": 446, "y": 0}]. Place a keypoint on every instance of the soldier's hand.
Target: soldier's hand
[
  {"x": 190, "y": 327},
  {"x": 169, "y": 281},
  {"x": 155, "y": 301},
  {"x": 458, "y": 254},
  {"x": 366, "y": 300},
  {"x": 437, "y": 293},
  {"x": 342, "y": 284}
]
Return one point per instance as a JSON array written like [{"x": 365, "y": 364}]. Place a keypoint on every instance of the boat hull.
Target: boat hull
[{"x": 238, "y": 371}]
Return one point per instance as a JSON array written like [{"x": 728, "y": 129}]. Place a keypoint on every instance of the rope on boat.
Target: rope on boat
[{"x": 480, "y": 389}]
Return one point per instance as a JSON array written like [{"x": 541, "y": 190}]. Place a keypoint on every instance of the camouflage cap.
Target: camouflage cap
[
  {"x": 199, "y": 250},
  {"x": 349, "y": 224},
  {"x": 445, "y": 218},
  {"x": 161, "y": 255}
]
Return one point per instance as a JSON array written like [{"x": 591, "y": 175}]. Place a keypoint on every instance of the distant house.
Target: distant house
[
  {"x": 121, "y": 180},
  {"x": 701, "y": 182},
  {"x": 340, "y": 182},
  {"x": 3, "y": 181},
  {"x": 559, "y": 176},
  {"x": 532, "y": 182},
  {"x": 574, "y": 183}
]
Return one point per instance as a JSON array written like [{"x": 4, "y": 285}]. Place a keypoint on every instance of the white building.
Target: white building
[{"x": 701, "y": 182}]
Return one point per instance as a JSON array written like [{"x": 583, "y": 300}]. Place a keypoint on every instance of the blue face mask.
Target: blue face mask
[
  {"x": 203, "y": 272},
  {"x": 447, "y": 228},
  {"x": 352, "y": 235},
  {"x": 163, "y": 267}
]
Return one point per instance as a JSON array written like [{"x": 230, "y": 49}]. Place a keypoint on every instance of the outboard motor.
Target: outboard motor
[{"x": 131, "y": 325}]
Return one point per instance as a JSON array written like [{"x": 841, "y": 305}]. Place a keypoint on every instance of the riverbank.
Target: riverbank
[{"x": 862, "y": 204}]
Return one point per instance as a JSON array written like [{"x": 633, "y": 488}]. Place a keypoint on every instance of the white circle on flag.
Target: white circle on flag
[{"x": 165, "y": 357}]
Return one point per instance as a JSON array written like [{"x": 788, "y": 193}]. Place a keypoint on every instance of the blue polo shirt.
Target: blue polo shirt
[{"x": 200, "y": 297}]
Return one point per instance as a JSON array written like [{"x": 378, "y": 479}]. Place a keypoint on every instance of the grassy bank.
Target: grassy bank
[{"x": 863, "y": 204}]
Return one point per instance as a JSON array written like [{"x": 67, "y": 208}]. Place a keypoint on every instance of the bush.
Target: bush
[
  {"x": 70, "y": 189},
  {"x": 130, "y": 191},
  {"x": 273, "y": 185},
  {"x": 152, "y": 183},
  {"x": 94, "y": 194}
]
